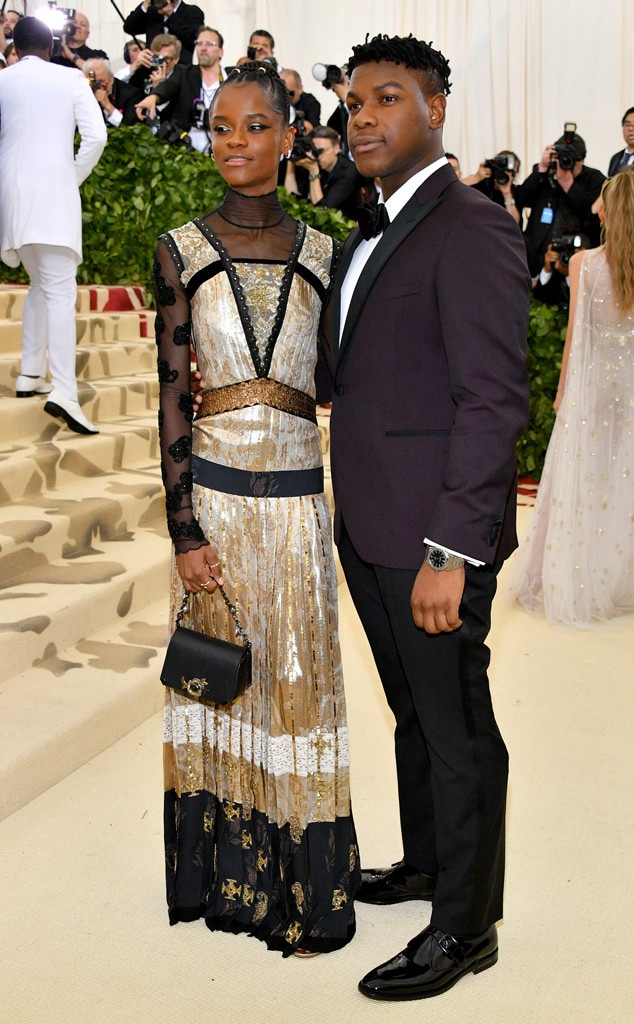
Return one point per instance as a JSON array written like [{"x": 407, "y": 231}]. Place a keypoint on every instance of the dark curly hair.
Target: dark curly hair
[
  {"x": 266, "y": 78},
  {"x": 408, "y": 51}
]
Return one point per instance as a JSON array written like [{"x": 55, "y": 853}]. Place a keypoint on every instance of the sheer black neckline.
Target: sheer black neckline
[{"x": 251, "y": 212}]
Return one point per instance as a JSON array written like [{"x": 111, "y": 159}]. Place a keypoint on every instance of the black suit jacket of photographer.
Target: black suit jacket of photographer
[
  {"x": 180, "y": 90},
  {"x": 341, "y": 187},
  {"x": 185, "y": 23}
]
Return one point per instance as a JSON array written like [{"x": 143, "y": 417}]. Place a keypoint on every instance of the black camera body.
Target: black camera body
[
  {"x": 158, "y": 60},
  {"x": 201, "y": 119},
  {"x": 328, "y": 75},
  {"x": 172, "y": 132},
  {"x": 566, "y": 152},
  {"x": 567, "y": 246},
  {"x": 501, "y": 168},
  {"x": 302, "y": 145}
]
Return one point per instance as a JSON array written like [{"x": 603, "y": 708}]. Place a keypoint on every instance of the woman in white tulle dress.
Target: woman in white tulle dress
[{"x": 577, "y": 561}]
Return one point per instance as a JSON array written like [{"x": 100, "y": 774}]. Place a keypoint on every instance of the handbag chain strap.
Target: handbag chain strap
[{"x": 240, "y": 630}]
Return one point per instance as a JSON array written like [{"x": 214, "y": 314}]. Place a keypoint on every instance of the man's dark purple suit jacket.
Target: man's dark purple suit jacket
[{"x": 430, "y": 383}]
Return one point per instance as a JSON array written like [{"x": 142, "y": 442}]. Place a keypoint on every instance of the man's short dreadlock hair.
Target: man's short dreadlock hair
[{"x": 408, "y": 51}]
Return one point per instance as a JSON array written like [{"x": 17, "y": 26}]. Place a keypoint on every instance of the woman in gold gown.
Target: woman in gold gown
[{"x": 259, "y": 835}]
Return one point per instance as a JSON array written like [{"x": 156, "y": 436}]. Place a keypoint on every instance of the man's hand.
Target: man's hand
[
  {"x": 149, "y": 103},
  {"x": 310, "y": 162},
  {"x": 551, "y": 258},
  {"x": 436, "y": 598},
  {"x": 158, "y": 74},
  {"x": 548, "y": 156},
  {"x": 144, "y": 60}
]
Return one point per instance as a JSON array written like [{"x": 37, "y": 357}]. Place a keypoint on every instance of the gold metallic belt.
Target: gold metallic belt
[{"x": 259, "y": 391}]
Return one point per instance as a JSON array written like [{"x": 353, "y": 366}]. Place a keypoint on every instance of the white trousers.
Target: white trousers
[{"x": 48, "y": 323}]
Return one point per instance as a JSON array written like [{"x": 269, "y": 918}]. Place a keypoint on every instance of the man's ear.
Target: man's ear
[{"x": 437, "y": 105}]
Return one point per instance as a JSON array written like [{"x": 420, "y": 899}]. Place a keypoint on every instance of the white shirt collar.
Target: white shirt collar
[{"x": 398, "y": 199}]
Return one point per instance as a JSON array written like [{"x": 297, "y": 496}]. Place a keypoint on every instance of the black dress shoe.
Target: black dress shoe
[
  {"x": 395, "y": 885},
  {"x": 430, "y": 964}
]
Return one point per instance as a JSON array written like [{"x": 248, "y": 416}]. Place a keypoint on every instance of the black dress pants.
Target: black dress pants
[{"x": 452, "y": 764}]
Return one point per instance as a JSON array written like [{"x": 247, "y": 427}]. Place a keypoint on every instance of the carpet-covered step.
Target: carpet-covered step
[
  {"x": 55, "y": 604},
  {"x": 29, "y": 470},
  {"x": 73, "y": 521},
  {"x": 74, "y": 703},
  {"x": 104, "y": 360},
  {"x": 103, "y": 401},
  {"x": 91, "y": 328},
  {"x": 90, "y": 299}
]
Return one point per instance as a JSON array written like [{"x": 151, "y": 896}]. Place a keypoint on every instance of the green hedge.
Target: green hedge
[
  {"x": 142, "y": 187},
  {"x": 546, "y": 336}
]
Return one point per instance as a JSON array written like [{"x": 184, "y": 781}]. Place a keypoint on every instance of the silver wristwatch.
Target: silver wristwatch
[{"x": 440, "y": 559}]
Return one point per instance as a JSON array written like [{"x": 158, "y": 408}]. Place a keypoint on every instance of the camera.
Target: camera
[
  {"x": 59, "y": 20},
  {"x": 93, "y": 82},
  {"x": 158, "y": 60},
  {"x": 174, "y": 134},
  {"x": 302, "y": 145},
  {"x": 328, "y": 75},
  {"x": 501, "y": 167},
  {"x": 567, "y": 246},
  {"x": 201, "y": 118},
  {"x": 566, "y": 151},
  {"x": 251, "y": 52}
]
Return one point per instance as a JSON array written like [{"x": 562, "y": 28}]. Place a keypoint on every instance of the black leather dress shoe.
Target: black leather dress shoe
[
  {"x": 430, "y": 964},
  {"x": 395, "y": 885}
]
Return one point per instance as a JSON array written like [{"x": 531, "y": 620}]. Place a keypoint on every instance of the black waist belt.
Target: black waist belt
[{"x": 285, "y": 483}]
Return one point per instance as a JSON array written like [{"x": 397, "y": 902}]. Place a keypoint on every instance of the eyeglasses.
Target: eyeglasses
[
  {"x": 628, "y": 124},
  {"x": 205, "y": 42}
]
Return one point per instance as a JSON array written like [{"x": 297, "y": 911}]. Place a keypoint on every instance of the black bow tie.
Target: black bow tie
[{"x": 373, "y": 220}]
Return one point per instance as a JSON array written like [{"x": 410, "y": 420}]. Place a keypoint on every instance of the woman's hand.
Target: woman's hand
[{"x": 200, "y": 570}]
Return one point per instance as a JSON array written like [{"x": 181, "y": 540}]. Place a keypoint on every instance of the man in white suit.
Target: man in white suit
[{"x": 41, "y": 105}]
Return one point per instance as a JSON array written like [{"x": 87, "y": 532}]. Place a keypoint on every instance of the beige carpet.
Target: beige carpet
[{"x": 84, "y": 933}]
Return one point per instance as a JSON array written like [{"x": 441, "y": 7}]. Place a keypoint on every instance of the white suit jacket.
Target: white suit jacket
[{"x": 41, "y": 104}]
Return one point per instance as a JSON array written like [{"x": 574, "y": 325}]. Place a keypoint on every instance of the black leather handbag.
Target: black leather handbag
[{"x": 206, "y": 668}]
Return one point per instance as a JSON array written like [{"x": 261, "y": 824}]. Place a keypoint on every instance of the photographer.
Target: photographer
[
  {"x": 552, "y": 285},
  {"x": 117, "y": 99},
  {"x": 495, "y": 178},
  {"x": 333, "y": 77},
  {"x": 302, "y": 102},
  {"x": 138, "y": 63},
  {"x": 74, "y": 52},
  {"x": 189, "y": 90},
  {"x": 333, "y": 180},
  {"x": 560, "y": 190},
  {"x": 179, "y": 19}
]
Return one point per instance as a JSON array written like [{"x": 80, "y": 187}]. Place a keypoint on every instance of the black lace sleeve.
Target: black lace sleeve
[{"x": 176, "y": 414}]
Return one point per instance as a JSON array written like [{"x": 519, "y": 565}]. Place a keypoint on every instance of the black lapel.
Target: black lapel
[
  {"x": 411, "y": 215},
  {"x": 352, "y": 242}
]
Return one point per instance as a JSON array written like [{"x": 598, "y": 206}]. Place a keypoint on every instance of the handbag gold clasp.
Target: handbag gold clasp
[{"x": 195, "y": 687}]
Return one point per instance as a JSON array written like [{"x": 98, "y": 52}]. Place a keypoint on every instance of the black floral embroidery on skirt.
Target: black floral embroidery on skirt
[
  {"x": 161, "y": 420},
  {"x": 165, "y": 374},
  {"x": 181, "y": 449},
  {"x": 174, "y": 497}
]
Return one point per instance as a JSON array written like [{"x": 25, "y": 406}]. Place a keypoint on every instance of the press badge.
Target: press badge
[{"x": 547, "y": 215}]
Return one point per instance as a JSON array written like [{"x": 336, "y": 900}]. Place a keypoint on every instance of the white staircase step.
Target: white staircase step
[{"x": 76, "y": 703}]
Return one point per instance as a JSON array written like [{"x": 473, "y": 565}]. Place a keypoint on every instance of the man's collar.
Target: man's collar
[{"x": 398, "y": 199}]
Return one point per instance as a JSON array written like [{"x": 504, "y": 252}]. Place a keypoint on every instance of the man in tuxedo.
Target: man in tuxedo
[
  {"x": 41, "y": 107},
  {"x": 174, "y": 16},
  {"x": 429, "y": 320},
  {"x": 624, "y": 157}
]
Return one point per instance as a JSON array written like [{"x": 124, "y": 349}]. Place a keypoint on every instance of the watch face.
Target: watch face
[{"x": 437, "y": 558}]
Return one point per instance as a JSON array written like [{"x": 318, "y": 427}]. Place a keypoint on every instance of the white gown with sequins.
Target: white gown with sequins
[{"x": 577, "y": 560}]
